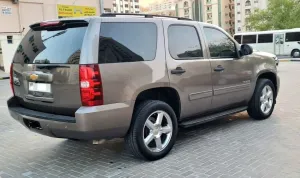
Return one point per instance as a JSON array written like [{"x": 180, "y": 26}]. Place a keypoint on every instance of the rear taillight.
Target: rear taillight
[
  {"x": 12, "y": 78},
  {"x": 90, "y": 85}
]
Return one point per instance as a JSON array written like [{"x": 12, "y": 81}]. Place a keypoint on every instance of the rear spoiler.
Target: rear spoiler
[{"x": 58, "y": 25}]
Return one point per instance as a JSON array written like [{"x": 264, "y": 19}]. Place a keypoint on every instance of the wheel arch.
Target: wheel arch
[
  {"x": 294, "y": 50},
  {"x": 165, "y": 94},
  {"x": 268, "y": 75}
]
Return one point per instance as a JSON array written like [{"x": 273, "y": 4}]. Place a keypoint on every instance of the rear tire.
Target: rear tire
[
  {"x": 153, "y": 130},
  {"x": 262, "y": 103},
  {"x": 296, "y": 53}
]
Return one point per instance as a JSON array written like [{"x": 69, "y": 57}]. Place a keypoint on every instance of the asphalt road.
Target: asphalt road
[{"x": 233, "y": 147}]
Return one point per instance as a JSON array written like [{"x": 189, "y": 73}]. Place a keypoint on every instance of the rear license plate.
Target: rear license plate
[{"x": 40, "y": 87}]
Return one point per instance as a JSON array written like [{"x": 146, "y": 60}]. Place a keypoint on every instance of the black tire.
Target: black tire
[
  {"x": 254, "y": 109},
  {"x": 293, "y": 53},
  {"x": 134, "y": 138}
]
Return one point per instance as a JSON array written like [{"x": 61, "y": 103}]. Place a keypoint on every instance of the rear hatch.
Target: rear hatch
[{"x": 46, "y": 67}]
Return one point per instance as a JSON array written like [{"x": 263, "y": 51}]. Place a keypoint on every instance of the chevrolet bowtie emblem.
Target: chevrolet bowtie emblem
[{"x": 33, "y": 77}]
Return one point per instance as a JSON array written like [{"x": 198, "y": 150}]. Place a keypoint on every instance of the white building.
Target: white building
[
  {"x": 126, "y": 6},
  {"x": 243, "y": 8},
  {"x": 185, "y": 8},
  {"x": 165, "y": 7}
]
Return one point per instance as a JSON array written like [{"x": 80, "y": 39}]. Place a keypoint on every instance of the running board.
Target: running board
[{"x": 201, "y": 120}]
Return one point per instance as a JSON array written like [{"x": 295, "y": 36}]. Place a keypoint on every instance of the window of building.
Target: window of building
[
  {"x": 126, "y": 5},
  {"x": 137, "y": 12},
  {"x": 185, "y": 4},
  {"x": 238, "y": 38},
  {"x": 9, "y": 39},
  {"x": 238, "y": 12},
  {"x": 219, "y": 44},
  {"x": 247, "y": 11},
  {"x": 136, "y": 0},
  {"x": 184, "y": 42},
  {"x": 117, "y": 45},
  {"x": 265, "y": 38},
  {"x": 239, "y": 29},
  {"x": 294, "y": 36},
  {"x": 137, "y": 6},
  {"x": 248, "y": 39},
  {"x": 208, "y": 1},
  {"x": 238, "y": 4},
  {"x": 126, "y": 11},
  {"x": 248, "y": 3},
  {"x": 239, "y": 21}
]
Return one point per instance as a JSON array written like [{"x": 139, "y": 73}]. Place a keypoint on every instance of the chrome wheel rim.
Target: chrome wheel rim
[
  {"x": 157, "y": 131},
  {"x": 266, "y": 99}
]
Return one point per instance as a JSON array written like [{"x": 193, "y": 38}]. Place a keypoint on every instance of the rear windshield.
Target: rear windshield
[{"x": 51, "y": 47}]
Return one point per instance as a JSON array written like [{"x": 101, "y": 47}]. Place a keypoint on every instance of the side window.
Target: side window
[
  {"x": 184, "y": 42},
  {"x": 127, "y": 42},
  {"x": 295, "y": 36},
  {"x": 238, "y": 38},
  {"x": 265, "y": 38},
  {"x": 248, "y": 39},
  {"x": 220, "y": 45}
]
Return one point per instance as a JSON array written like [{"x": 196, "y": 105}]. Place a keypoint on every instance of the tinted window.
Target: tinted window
[
  {"x": 220, "y": 45},
  {"x": 127, "y": 42},
  {"x": 247, "y": 39},
  {"x": 238, "y": 38},
  {"x": 265, "y": 38},
  {"x": 51, "y": 47},
  {"x": 184, "y": 42},
  {"x": 293, "y": 36}
]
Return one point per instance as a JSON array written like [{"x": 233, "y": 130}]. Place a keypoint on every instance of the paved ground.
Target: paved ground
[{"x": 233, "y": 147}]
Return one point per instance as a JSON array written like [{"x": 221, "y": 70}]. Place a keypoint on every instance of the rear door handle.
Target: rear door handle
[
  {"x": 178, "y": 70},
  {"x": 219, "y": 68}
]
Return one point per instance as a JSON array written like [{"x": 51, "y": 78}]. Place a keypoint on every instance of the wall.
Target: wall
[
  {"x": 8, "y": 50},
  {"x": 31, "y": 11},
  {"x": 26, "y": 13}
]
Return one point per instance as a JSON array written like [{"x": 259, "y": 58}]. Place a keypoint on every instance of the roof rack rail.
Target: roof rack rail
[{"x": 145, "y": 15}]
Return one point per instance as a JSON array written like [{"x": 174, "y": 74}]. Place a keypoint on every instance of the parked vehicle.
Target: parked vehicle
[
  {"x": 268, "y": 54},
  {"x": 136, "y": 78},
  {"x": 278, "y": 42}
]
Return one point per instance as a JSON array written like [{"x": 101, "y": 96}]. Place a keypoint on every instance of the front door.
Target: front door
[
  {"x": 279, "y": 43},
  {"x": 188, "y": 66},
  {"x": 231, "y": 77}
]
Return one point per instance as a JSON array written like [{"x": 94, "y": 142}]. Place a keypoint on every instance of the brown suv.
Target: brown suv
[{"x": 140, "y": 78}]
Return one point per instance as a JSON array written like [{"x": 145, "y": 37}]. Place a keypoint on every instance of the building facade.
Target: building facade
[
  {"x": 17, "y": 15},
  {"x": 126, "y": 6},
  {"x": 185, "y": 8},
  {"x": 219, "y": 12},
  {"x": 165, "y": 7},
  {"x": 243, "y": 8}
]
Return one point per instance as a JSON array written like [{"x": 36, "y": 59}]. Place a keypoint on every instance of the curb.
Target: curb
[{"x": 4, "y": 78}]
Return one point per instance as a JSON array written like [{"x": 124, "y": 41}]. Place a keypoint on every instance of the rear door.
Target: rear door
[
  {"x": 46, "y": 67},
  {"x": 188, "y": 67}
]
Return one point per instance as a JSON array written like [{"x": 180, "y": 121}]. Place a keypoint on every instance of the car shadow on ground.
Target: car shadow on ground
[{"x": 112, "y": 157}]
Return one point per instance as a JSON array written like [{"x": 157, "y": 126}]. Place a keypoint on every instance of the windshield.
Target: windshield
[{"x": 51, "y": 47}]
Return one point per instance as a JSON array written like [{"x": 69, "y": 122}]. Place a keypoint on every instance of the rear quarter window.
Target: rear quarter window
[
  {"x": 127, "y": 42},
  {"x": 51, "y": 47}
]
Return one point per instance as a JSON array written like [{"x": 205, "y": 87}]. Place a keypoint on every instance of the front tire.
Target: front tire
[
  {"x": 262, "y": 103},
  {"x": 153, "y": 131}
]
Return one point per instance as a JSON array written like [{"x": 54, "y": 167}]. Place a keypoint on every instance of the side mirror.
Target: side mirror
[{"x": 246, "y": 50}]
